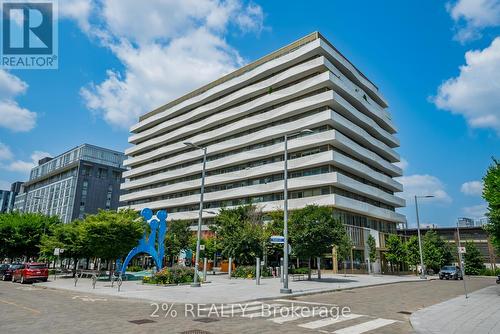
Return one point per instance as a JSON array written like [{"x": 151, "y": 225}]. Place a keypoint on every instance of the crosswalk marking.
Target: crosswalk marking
[
  {"x": 365, "y": 326},
  {"x": 263, "y": 311},
  {"x": 303, "y": 302},
  {"x": 328, "y": 321},
  {"x": 291, "y": 317}
]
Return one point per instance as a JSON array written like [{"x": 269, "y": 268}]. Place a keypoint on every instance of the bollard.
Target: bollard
[
  {"x": 281, "y": 270},
  {"x": 230, "y": 267},
  {"x": 318, "y": 260},
  {"x": 119, "y": 283},
  {"x": 94, "y": 280},
  {"x": 257, "y": 272},
  {"x": 76, "y": 278},
  {"x": 204, "y": 269}
]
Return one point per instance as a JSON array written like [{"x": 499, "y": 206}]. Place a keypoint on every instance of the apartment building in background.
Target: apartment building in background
[
  {"x": 8, "y": 197},
  {"x": 347, "y": 162},
  {"x": 74, "y": 183}
]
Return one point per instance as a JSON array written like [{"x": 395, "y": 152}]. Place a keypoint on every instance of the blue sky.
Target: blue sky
[{"x": 120, "y": 58}]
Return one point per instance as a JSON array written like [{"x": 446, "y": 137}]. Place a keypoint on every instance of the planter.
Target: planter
[{"x": 224, "y": 266}]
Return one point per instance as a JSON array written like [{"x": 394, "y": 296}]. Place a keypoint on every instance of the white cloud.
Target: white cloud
[
  {"x": 474, "y": 188},
  {"x": 422, "y": 185},
  {"x": 4, "y": 185},
  {"x": 13, "y": 116},
  {"x": 403, "y": 164},
  {"x": 21, "y": 166},
  {"x": 475, "y": 211},
  {"x": 78, "y": 10},
  {"x": 5, "y": 152},
  {"x": 471, "y": 16},
  {"x": 474, "y": 94},
  {"x": 181, "y": 47}
]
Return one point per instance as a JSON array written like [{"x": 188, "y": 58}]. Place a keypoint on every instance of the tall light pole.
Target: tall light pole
[
  {"x": 196, "y": 283},
  {"x": 285, "y": 288},
  {"x": 459, "y": 248},
  {"x": 422, "y": 268}
]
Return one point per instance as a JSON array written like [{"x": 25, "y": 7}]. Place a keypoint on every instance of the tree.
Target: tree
[
  {"x": 372, "y": 248},
  {"x": 177, "y": 238},
  {"x": 395, "y": 253},
  {"x": 412, "y": 252},
  {"x": 473, "y": 259},
  {"x": 112, "y": 234},
  {"x": 344, "y": 249},
  {"x": 240, "y": 233},
  {"x": 70, "y": 237},
  {"x": 436, "y": 251},
  {"x": 22, "y": 233},
  {"x": 491, "y": 193},
  {"x": 314, "y": 231}
]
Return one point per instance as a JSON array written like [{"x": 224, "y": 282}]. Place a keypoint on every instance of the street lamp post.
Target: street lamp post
[
  {"x": 422, "y": 268},
  {"x": 459, "y": 248},
  {"x": 196, "y": 283},
  {"x": 285, "y": 288}
]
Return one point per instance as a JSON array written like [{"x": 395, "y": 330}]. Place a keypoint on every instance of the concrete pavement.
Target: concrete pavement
[
  {"x": 480, "y": 313},
  {"x": 224, "y": 290}
]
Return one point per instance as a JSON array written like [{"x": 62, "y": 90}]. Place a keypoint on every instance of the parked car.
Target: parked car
[
  {"x": 450, "y": 272},
  {"x": 498, "y": 279},
  {"x": 7, "y": 270},
  {"x": 30, "y": 272}
]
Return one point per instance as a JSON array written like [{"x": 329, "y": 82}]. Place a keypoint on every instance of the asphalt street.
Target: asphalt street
[{"x": 380, "y": 309}]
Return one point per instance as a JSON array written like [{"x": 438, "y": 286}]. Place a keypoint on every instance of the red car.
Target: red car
[{"x": 30, "y": 272}]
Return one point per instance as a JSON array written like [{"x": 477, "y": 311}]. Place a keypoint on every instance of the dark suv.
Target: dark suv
[
  {"x": 6, "y": 270},
  {"x": 450, "y": 272}
]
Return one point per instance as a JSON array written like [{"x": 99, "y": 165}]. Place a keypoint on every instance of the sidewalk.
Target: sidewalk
[
  {"x": 223, "y": 290},
  {"x": 480, "y": 313}
]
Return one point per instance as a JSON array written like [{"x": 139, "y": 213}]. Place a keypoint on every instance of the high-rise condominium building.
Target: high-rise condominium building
[
  {"x": 347, "y": 162},
  {"x": 73, "y": 184}
]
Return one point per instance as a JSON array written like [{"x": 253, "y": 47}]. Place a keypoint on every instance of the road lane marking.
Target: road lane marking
[
  {"x": 303, "y": 302},
  {"x": 88, "y": 299},
  {"x": 292, "y": 317},
  {"x": 328, "y": 321},
  {"x": 20, "y": 306},
  {"x": 365, "y": 326}
]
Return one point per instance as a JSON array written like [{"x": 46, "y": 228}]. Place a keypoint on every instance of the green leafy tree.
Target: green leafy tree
[
  {"x": 177, "y": 238},
  {"x": 473, "y": 259},
  {"x": 241, "y": 234},
  {"x": 314, "y": 231},
  {"x": 70, "y": 237},
  {"x": 412, "y": 252},
  {"x": 395, "y": 253},
  {"x": 344, "y": 249},
  {"x": 112, "y": 234},
  {"x": 23, "y": 233},
  {"x": 491, "y": 193},
  {"x": 372, "y": 248},
  {"x": 436, "y": 251}
]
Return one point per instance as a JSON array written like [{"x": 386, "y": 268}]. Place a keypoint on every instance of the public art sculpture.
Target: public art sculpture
[{"x": 151, "y": 244}]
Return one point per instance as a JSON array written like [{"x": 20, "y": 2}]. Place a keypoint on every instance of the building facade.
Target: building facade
[
  {"x": 346, "y": 161},
  {"x": 465, "y": 222},
  {"x": 474, "y": 234},
  {"x": 8, "y": 197},
  {"x": 73, "y": 184}
]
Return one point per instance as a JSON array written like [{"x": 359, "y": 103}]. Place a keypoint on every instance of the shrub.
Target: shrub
[
  {"x": 249, "y": 272},
  {"x": 300, "y": 271},
  {"x": 173, "y": 275},
  {"x": 490, "y": 272},
  {"x": 134, "y": 268}
]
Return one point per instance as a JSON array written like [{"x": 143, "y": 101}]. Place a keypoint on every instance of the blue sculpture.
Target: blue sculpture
[{"x": 158, "y": 225}]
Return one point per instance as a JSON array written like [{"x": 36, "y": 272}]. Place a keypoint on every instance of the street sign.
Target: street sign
[
  {"x": 202, "y": 247},
  {"x": 461, "y": 250},
  {"x": 57, "y": 251},
  {"x": 277, "y": 239}
]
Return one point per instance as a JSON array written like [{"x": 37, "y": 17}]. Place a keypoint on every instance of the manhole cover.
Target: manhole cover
[
  {"x": 141, "y": 321},
  {"x": 404, "y": 312},
  {"x": 206, "y": 320},
  {"x": 195, "y": 331}
]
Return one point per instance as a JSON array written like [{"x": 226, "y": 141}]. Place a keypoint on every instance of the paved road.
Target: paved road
[{"x": 28, "y": 309}]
